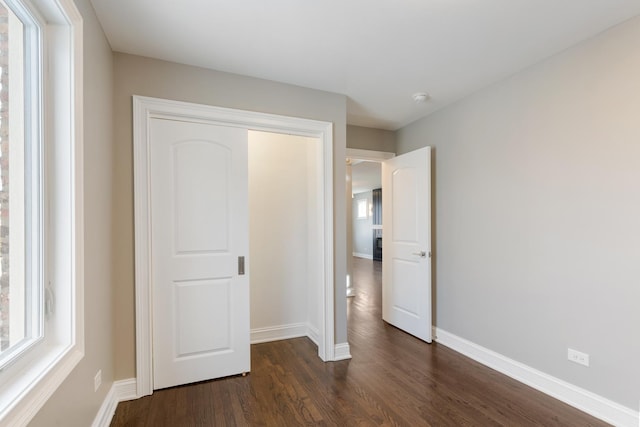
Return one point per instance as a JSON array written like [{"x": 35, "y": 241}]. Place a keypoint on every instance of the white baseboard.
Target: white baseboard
[
  {"x": 120, "y": 391},
  {"x": 276, "y": 333},
  {"x": 365, "y": 256},
  {"x": 342, "y": 352},
  {"x": 584, "y": 400},
  {"x": 126, "y": 390},
  {"x": 313, "y": 334},
  {"x": 570, "y": 394},
  {"x": 107, "y": 410}
]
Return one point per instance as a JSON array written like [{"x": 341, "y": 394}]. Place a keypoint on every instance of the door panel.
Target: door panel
[
  {"x": 406, "y": 262},
  {"x": 201, "y": 216},
  {"x": 403, "y": 194},
  {"x": 404, "y": 286},
  {"x": 199, "y": 228}
]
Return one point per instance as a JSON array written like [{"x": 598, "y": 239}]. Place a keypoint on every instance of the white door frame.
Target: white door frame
[
  {"x": 369, "y": 155},
  {"x": 144, "y": 109}
]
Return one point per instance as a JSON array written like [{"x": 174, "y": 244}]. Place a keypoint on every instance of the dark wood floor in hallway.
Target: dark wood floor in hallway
[{"x": 393, "y": 379}]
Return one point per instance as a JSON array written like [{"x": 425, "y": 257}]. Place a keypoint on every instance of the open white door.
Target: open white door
[
  {"x": 406, "y": 242},
  {"x": 199, "y": 217}
]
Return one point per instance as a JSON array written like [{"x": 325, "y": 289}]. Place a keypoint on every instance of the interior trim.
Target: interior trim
[
  {"x": 120, "y": 391},
  {"x": 369, "y": 155},
  {"x": 144, "y": 109},
  {"x": 277, "y": 333},
  {"x": 591, "y": 403}
]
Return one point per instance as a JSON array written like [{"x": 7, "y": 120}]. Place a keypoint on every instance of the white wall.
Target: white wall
[
  {"x": 282, "y": 205},
  {"x": 362, "y": 227},
  {"x": 315, "y": 258},
  {"x": 537, "y": 214}
]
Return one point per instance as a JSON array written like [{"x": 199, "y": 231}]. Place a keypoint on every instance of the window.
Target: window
[
  {"x": 41, "y": 258},
  {"x": 20, "y": 194},
  {"x": 362, "y": 208}
]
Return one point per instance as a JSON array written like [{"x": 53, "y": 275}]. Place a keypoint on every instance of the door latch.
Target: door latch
[{"x": 240, "y": 266}]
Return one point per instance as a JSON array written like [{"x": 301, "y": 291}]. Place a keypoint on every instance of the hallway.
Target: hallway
[{"x": 393, "y": 379}]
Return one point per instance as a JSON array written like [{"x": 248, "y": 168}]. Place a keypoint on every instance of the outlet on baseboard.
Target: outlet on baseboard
[
  {"x": 97, "y": 380},
  {"x": 578, "y": 357}
]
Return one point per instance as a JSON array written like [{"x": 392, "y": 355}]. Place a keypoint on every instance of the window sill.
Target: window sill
[{"x": 22, "y": 396}]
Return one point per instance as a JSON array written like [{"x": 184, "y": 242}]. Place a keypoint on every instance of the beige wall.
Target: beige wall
[
  {"x": 75, "y": 404},
  {"x": 371, "y": 139},
  {"x": 537, "y": 207},
  {"x": 148, "y": 77}
]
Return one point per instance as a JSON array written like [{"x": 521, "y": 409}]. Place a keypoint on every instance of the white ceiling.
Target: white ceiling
[{"x": 377, "y": 52}]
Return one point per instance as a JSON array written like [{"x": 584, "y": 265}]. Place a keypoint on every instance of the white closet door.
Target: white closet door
[{"x": 199, "y": 215}]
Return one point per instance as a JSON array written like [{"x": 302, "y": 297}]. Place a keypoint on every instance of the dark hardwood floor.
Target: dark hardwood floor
[{"x": 393, "y": 379}]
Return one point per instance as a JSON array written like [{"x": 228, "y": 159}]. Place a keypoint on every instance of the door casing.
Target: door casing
[{"x": 145, "y": 108}]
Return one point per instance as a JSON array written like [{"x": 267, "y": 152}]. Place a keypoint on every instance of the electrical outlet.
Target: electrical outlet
[
  {"x": 578, "y": 357},
  {"x": 97, "y": 380}
]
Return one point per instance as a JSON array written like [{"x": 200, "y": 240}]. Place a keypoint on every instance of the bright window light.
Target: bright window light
[
  {"x": 20, "y": 192},
  {"x": 362, "y": 208}
]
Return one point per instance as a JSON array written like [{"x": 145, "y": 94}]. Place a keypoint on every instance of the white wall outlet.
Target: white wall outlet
[
  {"x": 578, "y": 357},
  {"x": 97, "y": 380}
]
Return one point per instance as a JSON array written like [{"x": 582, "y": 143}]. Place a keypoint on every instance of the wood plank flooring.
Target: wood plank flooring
[{"x": 393, "y": 379}]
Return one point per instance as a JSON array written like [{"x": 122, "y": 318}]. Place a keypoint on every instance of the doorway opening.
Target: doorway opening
[
  {"x": 406, "y": 269},
  {"x": 364, "y": 232},
  {"x": 284, "y": 205},
  {"x": 147, "y": 109}
]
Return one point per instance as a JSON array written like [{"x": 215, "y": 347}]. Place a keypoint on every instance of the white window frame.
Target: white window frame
[{"x": 28, "y": 382}]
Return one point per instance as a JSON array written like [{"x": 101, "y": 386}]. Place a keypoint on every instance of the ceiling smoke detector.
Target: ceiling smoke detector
[{"x": 421, "y": 97}]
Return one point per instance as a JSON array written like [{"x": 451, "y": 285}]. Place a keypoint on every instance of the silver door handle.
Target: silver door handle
[
  {"x": 422, "y": 254},
  {"x": 240, "y": 265}
]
